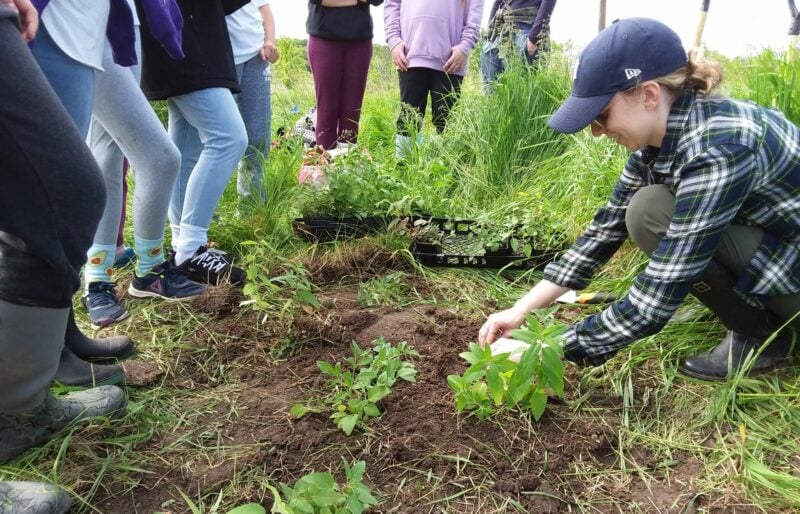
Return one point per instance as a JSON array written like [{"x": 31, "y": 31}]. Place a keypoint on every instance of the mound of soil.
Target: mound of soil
[{"x": 421, "y": 456}]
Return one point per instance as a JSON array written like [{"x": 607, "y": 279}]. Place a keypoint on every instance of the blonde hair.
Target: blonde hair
[{"x": 702, "y": 77}]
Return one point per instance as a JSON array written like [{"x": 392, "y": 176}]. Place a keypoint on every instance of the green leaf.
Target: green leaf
[
  {"x": 553, "y": 370},
  {"x": 496, "y": 384},
  {"x": 308, "y": 297},
  {"x": 299, "y": 410},
  {"x": 375, "y": 394},
  {"x": 537, "y": 403},
  {"x": 327, "y": 368},
  {"x": 371, "y": 410},
  {"x": 348, "y": 423}
]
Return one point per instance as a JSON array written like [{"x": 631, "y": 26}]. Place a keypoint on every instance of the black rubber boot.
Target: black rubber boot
[
  {"x": 73, "y": 371},
  {"x": 748, "y": 329},
  {"x": 106, "y": 349},
  {"x": 33, "y": 498}
]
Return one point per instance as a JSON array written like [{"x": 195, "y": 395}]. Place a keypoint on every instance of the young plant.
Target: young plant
[
  {"x": 356, "y": 389},
  {"x": 386, "y": 290},
  {"x": 494, "y": 382},
  {"x": 277, "y": 295},
  {"x": 318, "y": 493}
]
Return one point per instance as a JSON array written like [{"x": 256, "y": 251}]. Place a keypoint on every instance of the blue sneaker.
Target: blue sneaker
[
  {"x": 125, "y": 257},
  {"x": 165, "y": 281},
  {"x": 103, "y": 305}
]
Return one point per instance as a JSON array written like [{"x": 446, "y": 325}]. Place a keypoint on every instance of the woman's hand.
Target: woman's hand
[
  {"x": 399, "y": 57},
  {"x": 28, "y": 17},
  {"x": 532, "y": 47},
  {"x": 270, "y": 52},
  {"x": 500, "y": 324},
  {"x": 456, "y": 61}
]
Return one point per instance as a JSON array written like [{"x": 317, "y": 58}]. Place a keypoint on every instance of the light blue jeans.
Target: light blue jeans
[
  {"x": 125, "y": 123},
  {"x": 493, "y": 62},
  {"x": 208, "y": 130},
  {"x": 256, "y": 109},
  {"x": 72, "y": 81}
]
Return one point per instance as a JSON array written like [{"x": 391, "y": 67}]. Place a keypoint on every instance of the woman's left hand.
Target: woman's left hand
[
  {"x": 270, "y": 52},
  {"x": 532, "y": 47},
  {"x": 456, "y": 61}
]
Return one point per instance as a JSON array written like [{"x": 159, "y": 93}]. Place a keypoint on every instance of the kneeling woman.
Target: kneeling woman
[{"x": 711, "y": 193}]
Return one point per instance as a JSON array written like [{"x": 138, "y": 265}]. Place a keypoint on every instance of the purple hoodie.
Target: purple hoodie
[{"x": 430, "y": 29}]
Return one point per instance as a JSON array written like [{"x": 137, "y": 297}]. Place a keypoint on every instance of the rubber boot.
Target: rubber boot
[
  {"x": 32, "y": 498},
  {"x": 31, "y": 427},
  {"x": 74, "y": 371},
  {"x": 748, "y": 329},
  {"x": 106, "y": 349},
  {"x": 30, "y": 341}
]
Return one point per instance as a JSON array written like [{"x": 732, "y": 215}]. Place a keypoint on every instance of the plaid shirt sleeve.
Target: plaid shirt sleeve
[
  {"x": 710, "y": 191},
  {"x": 604, "y": 236}
]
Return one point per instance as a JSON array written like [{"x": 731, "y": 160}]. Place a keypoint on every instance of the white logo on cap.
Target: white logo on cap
[
  {"x": 575, "y": 73},
  {"x": 632, "y": 72}
]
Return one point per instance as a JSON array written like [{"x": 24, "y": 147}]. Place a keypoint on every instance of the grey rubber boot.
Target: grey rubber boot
[
  {"x": 106, "y": 349},
  {"x": 31, "y": 427},
  {"x": 748, "y": 329},
  {"x": 73, "y": 371},
  {"x": 32, "y": 498}
]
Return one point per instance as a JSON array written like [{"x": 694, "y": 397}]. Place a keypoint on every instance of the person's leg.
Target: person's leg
[
  {"x": 414, "y": 88},
  {"x": 647, "y": 218},
  {"x": 187, "y": 139},
  {"x": 214, "y": 114},
  {"x": 445, "y": 91},
  {"x": 326, "y": 58},
  {"x": 72, "y": 81},
  {"x": 255, "y": 107},
  {"x": 47, "y": 172},
  {"x": 491, "y": 64},
  {"x": 354, "y": 82}
]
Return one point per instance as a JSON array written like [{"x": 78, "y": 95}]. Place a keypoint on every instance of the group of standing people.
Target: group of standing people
[
  {"x": 74, "y": 110},
  {"x": 429, "y": 42}
]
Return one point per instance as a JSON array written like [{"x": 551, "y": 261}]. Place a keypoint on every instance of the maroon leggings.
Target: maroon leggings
[{"x": 340, "y": 78}]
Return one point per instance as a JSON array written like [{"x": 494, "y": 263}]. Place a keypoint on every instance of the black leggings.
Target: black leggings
[{"x": 415, "y": 84}]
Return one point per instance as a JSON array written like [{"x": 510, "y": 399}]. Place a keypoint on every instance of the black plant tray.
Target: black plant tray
[
  {"x": 331, "y": 228},
  {"x": 460, "y": 249}
]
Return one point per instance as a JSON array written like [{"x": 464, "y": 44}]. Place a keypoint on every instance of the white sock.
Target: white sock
[
  {"x": 176, "y": 235},
  {"x": 192, "y": 238}
]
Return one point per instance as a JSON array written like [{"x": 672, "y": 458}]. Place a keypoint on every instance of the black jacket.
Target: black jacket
[
  {"x": 340, "y": 23},
  {"x": 209, "y": 58}
]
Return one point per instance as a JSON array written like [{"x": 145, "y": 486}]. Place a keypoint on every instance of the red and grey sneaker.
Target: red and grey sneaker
[
  {"x": 165, "y": 281},
  {"x": 213, "y": 267}
]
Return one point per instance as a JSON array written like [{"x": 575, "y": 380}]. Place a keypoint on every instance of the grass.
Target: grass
[{"x": 496, "y": 157}]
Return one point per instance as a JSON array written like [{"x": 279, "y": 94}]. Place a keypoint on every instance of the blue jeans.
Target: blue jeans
[
  {"x": 256, "y": 110},
  {"x": 493, "y": 60},
  {"x": 72, "y": 81},
  {"x": 208, "y": 130}
]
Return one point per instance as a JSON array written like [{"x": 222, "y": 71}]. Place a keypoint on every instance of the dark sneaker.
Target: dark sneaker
[
  {"x": 212, "y": 266},
  {"x": 102, "y": 304},
  {"x": 125, "y": 257},
  {"x": 165, "y": 281}
]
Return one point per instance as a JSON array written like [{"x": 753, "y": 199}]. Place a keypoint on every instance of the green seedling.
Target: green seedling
[
  {"x": 318, "y": 493},
  {"x": 279, "y": 295},
  {"x": 386, "y": 290},
  {"x": 494, "y": 382},
  {"x": 356, "y": 389}
]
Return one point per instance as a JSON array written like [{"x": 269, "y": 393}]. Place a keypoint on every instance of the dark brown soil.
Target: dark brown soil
[{"x": 421, "y": 456}]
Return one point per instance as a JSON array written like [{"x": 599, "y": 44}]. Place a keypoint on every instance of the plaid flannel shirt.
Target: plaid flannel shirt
[{"x": 726, "y": 162}]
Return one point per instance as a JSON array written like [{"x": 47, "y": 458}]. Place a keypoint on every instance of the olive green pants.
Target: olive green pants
[{"x": 649, "y": 215}]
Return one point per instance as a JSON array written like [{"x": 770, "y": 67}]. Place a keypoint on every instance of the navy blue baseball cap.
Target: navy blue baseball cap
[{"x": 624, "y": 54}]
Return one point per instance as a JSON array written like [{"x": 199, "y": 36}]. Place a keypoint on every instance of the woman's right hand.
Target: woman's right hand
[
  {"x": 399, "y": 56},
  {"x": 500, "y": 324}
]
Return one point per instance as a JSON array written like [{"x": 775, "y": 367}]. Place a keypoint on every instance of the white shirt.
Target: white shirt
[
  {"x": 246, "y": 29},
  {"x": 135, "y": 15},
  {"x": 78, "y": 27}
]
